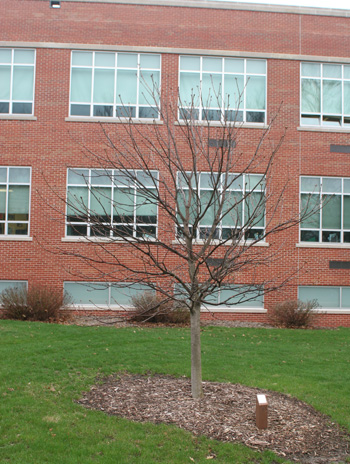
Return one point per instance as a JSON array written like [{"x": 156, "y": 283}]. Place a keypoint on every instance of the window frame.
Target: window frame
[
  {"x": 321, "y": 114},
  {"x": 114, "y": 104},
  {"x": 242, "y": 190},
  {"x": 242, "y": 104},
  {"x": 113, "y": 185},
  {"x": 334, "y": 309},
  {"x": 12, "y": 65},
  {"x": 109, "y": 286},
  {"x": 8, "y": 184},
  {"x": 320, "y": 193}
]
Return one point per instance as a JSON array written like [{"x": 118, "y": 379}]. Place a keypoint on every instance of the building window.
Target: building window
[
  {"x": 243, "y": 206},
  {"x": 108, "y": 203},
  {"x": 327, "y": 297},
  {"x": 222, "y": 89},
  {"x": 17, "y": 81},
  {"x": 14, "y": 200},
  {"x": 329, "y": 198},
  {"x": 105, "y": 293},
  {"x": 6, "y": 284},
  {"x": 325, "y": 94},
  {"x": 115, "y": 85}
]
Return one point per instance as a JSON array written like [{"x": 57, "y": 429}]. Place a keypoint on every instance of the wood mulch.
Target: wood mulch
[{"x": 226, "y": 412}]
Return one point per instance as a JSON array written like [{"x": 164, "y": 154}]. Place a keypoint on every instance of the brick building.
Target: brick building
[{"x": 67, "y": 66}]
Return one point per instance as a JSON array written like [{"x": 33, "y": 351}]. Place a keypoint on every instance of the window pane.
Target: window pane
[
  {"x": 24, "y": 56},
  {"x": 254, "y": 181},
  {"x": 212, "y": 64},
  {"x": 19, "y": 175},
  {"x": 232, "y": 210},
  {"x": 254, "y": 210},
  {"x": 345, "y": 301},
  {"x": 310, "y": 184},
  {"x": 100, "y": 203},
  {"x": 189, "y": 63},
  {"x": 127, "y": 87},
  {"x": 2, "y": 202},
  {"x": 4, "y": 284},
  {"x": 332, "y": 70},
  {"x": 255, "y": 92},
  {"x": 150, "y": 61},
  {"x": 77, "y": 203},
  {"x": 210, "y": 205},
  {"x": 78, "y": 176},
  {"x": 123, "y": 205},
  {"x": 347, "y": 98},
  {"x": 104, "y": 59},
  {"x": 88, "y": 293},
  {"x": 234, "y": 65},
  {"x": 256, "y": 67},
  {"x": 346, "y": 213},
  {"x": 18, "y": 203},
  {"x": 331, "y": 212},
  {"x": 234, "y": 87},
  {"x": 146, "y": 210},
  {"x": 211, "y": 91},
  {"x": 81, "y": 85},
  {"x": 189, "y": 89},
  {"x": 127, "y": 60},
  {"x": 331, "y": 185},
  {"x": 311, "y": 69},
  {"x": 5, "y": 56},
  {"x": 332, "y": 97},
  {"x": 149, "y": 88},
  {"x": 310, "y": 203},
  {"x": 101, "y": 177},
  {"x": 310, "y": 96},
  {"x": 104, "y": 86},
  {"x": 23, "y": 83},
  {"x": 327, "y": 297},
  {"x": 122, "y": 293},
  {"x": 5, "y": 82},
  {"x": 82, "y": 58}
]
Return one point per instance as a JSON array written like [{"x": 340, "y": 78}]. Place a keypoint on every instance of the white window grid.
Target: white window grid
[
  {"x": 115, "y": 103},
  {"x": 255, "y": 231},
  {"x": 340, "y": 289},
  {"x": 7, "y": 184},
  {"x": 235, "y": 110},
  {"x": 343, "y": 118},
  {"x": 107, "y": 230},
  {"x": 344, "y": 192},
  {"x": 12, "y": 64}
]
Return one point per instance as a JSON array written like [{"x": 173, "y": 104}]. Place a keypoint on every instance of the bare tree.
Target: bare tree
[{"x": 180, "y": 207}]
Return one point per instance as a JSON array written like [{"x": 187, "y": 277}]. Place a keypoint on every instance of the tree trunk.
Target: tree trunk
[{"x": 196, "y": 362}]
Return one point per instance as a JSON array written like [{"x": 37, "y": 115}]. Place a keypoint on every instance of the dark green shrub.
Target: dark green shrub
[
  {"x": 294, "y": 314},
  {"x": 39, "y": 303},
  {"x": 149, "y": 307}
]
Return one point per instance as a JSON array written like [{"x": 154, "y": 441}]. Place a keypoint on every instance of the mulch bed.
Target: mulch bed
[{"x": 226, "y": 412}]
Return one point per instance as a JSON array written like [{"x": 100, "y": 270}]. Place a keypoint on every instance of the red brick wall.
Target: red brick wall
[{"x": 50, "y": 144}]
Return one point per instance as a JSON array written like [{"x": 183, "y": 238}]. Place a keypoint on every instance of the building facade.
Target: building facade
[{"x": 70, "y": 68}]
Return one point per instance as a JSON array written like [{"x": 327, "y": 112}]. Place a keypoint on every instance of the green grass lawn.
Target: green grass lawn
[{"x": 44, "y": 368}]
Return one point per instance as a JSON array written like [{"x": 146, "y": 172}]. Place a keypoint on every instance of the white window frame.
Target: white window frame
[
  {"x": 242, "y": 105},
  {"x": 232, "y": 189},
  {"x": 89, "y": 185},
  {"x": 12, "y": 64},
  {"x": 6, "y": 221},
  {"x": 321, "y": 309},
  {"x": 320, "y": 193},
  {"x": 344, "y": 119},
  {"x": 91, "y": 103},
  {"x": 110, "y": 304}
]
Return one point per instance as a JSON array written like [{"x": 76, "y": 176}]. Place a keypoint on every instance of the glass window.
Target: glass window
[
  {"x": 107, "y": 203},
  {"x": 325, "y": 203},
  {"x": 17, "y": 81},
  {"x": 14, "y": 200},
  {"x": 220, "y": 89},
  {"x": 325, "y": 95},
  {"x": 326, "y": 296},
  {"x": 115, "y": 85},
  {"x": 5, "y": 284},
  {"x": 104, "y": 293},
  {"x": 243, "y": 209}
]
